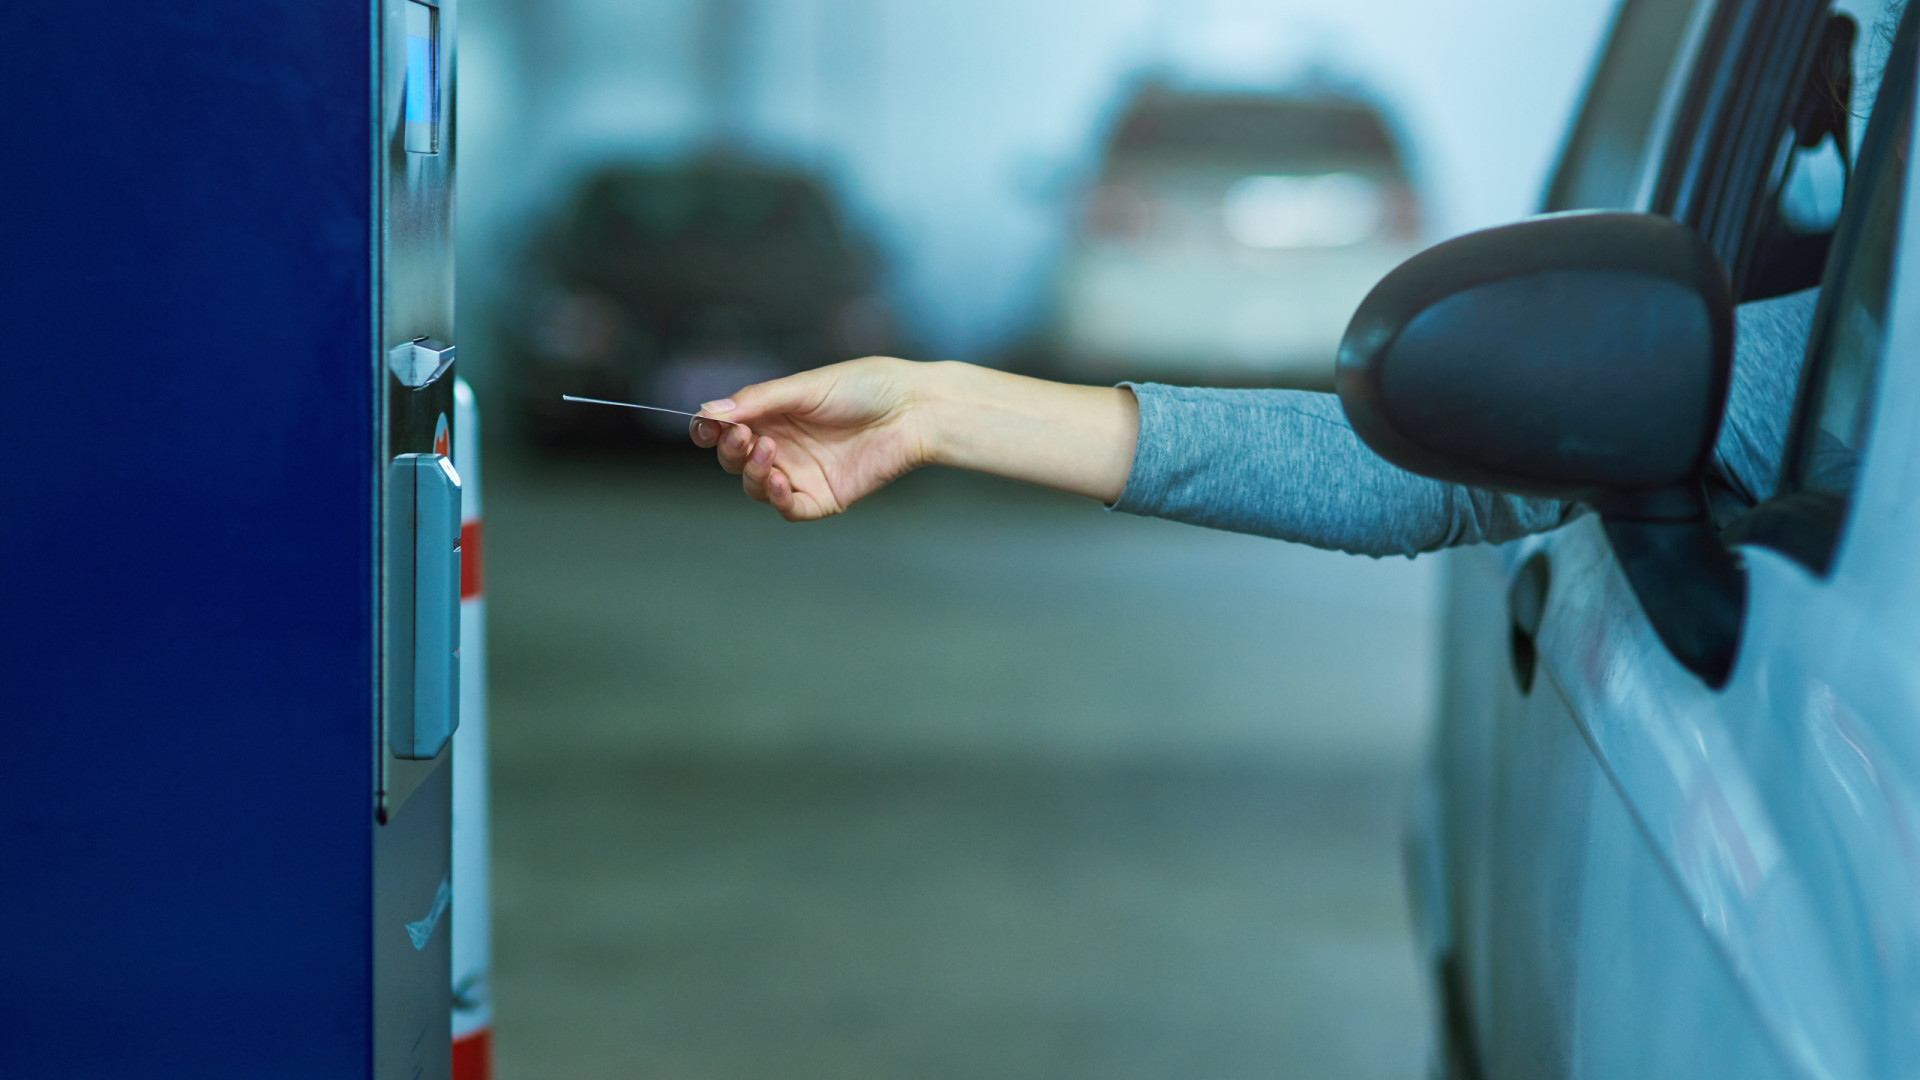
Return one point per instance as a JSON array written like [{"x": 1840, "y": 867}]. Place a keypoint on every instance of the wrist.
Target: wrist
[
  {"x": 1075, "y": 438},
  {"x": 940, "y": 392}
]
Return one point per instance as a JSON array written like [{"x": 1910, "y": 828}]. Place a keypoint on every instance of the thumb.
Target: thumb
[{"x": 795, "y": 393}]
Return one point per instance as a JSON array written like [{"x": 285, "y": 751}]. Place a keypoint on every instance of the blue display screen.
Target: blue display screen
[
  {"x": 420, "y": 95},
  {"x": 419, "y": 80}
]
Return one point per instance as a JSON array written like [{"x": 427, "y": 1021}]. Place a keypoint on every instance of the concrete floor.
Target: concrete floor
[{"x": 975, "y": 781}]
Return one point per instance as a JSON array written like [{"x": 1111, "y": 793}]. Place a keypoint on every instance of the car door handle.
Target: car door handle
[{"x": 1526, "y": 604}]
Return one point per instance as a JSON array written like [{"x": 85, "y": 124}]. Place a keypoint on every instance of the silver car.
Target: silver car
[{"x": 1671, "y": 826}]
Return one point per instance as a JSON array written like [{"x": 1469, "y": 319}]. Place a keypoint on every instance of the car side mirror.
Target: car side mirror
[{"x": 1582, "y": 357}]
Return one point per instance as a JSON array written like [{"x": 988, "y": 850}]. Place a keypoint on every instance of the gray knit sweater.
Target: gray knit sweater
[{"x": 1285, "y": 463}]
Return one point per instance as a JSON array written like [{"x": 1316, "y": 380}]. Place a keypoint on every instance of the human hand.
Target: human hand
[{"x": 813, "y": 444}]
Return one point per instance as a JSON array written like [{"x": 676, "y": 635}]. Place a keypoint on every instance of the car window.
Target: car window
[
  {"x": 1606, "y": 152},
  {"x": 1814, "y": 151},
  {"x": 1849, "y": 329},
  {"x": 1816, "y": 168}
]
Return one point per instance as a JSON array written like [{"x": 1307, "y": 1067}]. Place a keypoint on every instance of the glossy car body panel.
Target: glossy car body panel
[{"x": 1622, "y": 873}]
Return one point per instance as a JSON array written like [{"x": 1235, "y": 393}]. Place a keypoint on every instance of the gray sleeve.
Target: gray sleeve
[
  {"x": 1770, "y": 340},
  {"x": 1285, "y": 464}
]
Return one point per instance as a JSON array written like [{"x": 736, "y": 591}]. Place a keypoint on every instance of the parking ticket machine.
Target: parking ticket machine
[
  {"x": 420, "y": 542},
  {"x": 229, "y": 539}
]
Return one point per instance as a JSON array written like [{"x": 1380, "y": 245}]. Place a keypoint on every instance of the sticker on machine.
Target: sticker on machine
[{"x": 420, "y": 931}]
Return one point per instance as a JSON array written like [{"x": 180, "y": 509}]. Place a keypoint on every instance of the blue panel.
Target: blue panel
[{"x": 185, "y": 470}]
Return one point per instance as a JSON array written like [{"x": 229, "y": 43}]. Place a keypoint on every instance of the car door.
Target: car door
[
  {"x": 1526, "y": 856},
  {"x": 1750, "y": 859},
  {"x": 1830, "y": 687}
]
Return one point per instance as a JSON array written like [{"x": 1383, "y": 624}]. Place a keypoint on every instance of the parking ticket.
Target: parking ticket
[{"x": 648, "y": 408}]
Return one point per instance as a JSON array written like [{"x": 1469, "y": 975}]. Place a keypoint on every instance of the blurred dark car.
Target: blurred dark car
[
  {"x": 1229, "y": 237},
  {"x": 673, "y": 285}
]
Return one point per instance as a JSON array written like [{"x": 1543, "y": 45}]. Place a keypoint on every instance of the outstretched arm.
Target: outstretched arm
[
  {"x": 1276, "y": 463},
  {"x": 1279, "y": 463},
  {"x": 813, "y": 444}
]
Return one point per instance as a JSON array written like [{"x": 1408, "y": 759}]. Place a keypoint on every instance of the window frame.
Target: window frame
[
  {"x": 1711, "y": 157},
  {"x": 1681, "y": 72},
  {"x": 1722, "y": 169}
]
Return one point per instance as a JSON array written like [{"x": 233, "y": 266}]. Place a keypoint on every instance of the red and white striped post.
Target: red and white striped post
[{"x": 472, "y": 900}]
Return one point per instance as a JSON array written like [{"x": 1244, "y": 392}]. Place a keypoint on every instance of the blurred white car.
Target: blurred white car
[{"x": 1228, "y": 239}]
